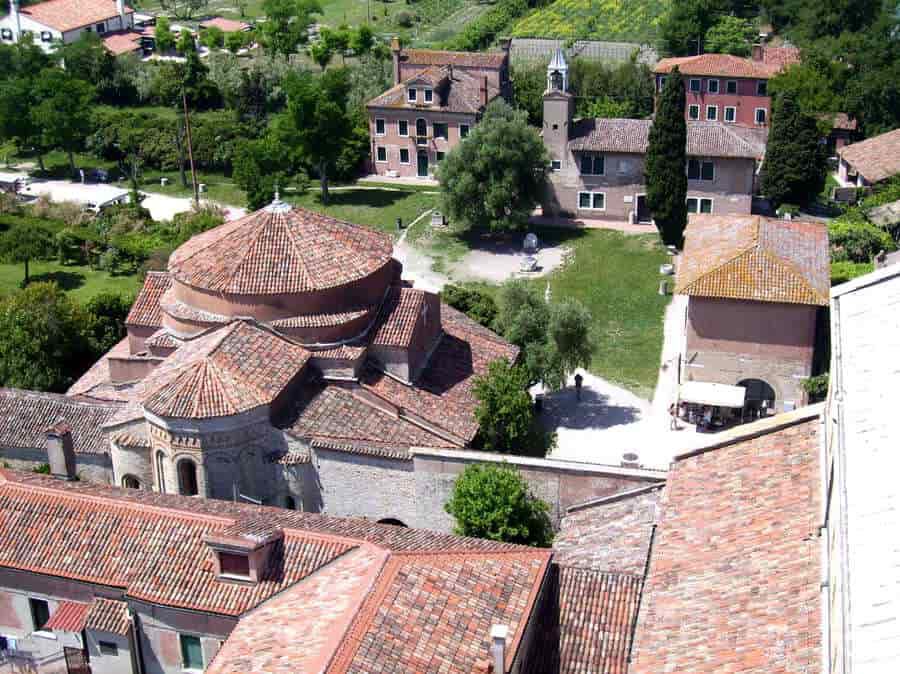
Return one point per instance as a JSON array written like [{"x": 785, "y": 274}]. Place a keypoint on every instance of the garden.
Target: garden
[{"x": 624, "y": 20}]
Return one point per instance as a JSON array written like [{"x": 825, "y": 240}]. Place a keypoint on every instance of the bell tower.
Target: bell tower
[{"x": 558, "y": 109}]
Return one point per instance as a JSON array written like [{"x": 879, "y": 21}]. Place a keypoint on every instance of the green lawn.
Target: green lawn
[
  {"x": 79, "y": 281},
  {"x": 376, "y": 208}
]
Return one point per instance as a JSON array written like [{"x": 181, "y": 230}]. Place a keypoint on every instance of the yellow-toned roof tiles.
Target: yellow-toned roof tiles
[{"x": 750, "y": 257}]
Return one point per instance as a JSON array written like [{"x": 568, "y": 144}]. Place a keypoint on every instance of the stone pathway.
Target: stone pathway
[
  {"x": 500, "y": 261},
  {"x": 417, "y": 264}
]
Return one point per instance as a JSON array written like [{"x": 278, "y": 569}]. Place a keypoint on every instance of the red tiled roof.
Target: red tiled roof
[
  {"x": 95, "y": 383},
  {"x": 273, "y": 251},
  {"x": 66, "y": 15},
  {"x": 322, "y": 320},
  {"x": 145, "y": 310},
  {"x": 733, "y": 582},
  {"x": 465, "y": 59},
  {"x": 398, "y": 317},
  {"x": 780, "y": 57},
  {"x": 463, "y": 93},
  {"x": 26, "y": 415},
  {"x": 755, "y": 258},
  {"x": 122, "y": 43},
  {"x": 876, "y": 158},
  {"x": 726, "y": 65},
  {"x": 225, "y": 25},
  {"x": 69, "y": 616},
  {"x": 108, "y": 615},
  {"x": 162, "y": 339}
]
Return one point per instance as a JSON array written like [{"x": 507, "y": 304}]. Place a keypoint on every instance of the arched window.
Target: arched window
[
  {"x": 391, "y": 520},
  {"x": 161, "y": 472},
  {"x": 187, "y": 477},
  {"x": 130, "y": 482}
]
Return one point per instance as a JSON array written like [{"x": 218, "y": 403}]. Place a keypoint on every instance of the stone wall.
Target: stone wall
[{"x": 88, "y": 467}]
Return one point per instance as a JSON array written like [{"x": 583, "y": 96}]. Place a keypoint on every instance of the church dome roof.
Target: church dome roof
[{"x": 278, "y": 250}]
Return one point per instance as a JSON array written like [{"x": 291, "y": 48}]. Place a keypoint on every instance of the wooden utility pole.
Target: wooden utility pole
[{"x": 187, "y": 128}]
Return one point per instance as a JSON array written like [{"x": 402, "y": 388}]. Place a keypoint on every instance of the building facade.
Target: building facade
[
  {"x": 597, "y": 165},
  {"x": 53, "y": 22},
  {"x": 870, "y": 161}
]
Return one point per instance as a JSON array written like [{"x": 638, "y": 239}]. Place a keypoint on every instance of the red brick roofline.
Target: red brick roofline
[{"x": 614, "y": 498}]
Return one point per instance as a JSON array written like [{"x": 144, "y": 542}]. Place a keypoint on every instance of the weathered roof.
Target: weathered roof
[
  {"x": 69, "y": 616},
  {"x": 876, "y": 158},
  {"x": 725, "y": 65},
  {"x": 454, "y": 91},
  {"x": 66, "y": 15},
  {"x": 380, "y": 592},
  {"x": 528, "y": 48},
  {"x": 704, "y": 139},
  {"x": 124, "y": 42},
  {"x": 96, "y": 384},
  {"x": 108, "y": 615},
  {"x": 225, "y": 25},
  {"x": 733, "y": 581},
  {"x": 280, "y": 251},
  {"x": 26, "y": 415},
  {"x": 145, "y": 311},
  {"x": 398, "y": 317},
  {"x": 466, "y": 59},
  {"x": 750, "y": 257}
]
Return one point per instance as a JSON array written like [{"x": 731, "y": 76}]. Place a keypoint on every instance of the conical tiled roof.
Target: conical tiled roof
[{"x": 280, "y": 250}]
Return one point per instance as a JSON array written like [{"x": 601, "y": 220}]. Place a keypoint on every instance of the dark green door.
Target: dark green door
[{"x": 423, "y": 164}]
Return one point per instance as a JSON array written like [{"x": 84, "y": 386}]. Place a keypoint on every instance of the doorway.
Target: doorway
[
  {"x": 642, "y": 212},
  {"x": 422, "y": 164}
]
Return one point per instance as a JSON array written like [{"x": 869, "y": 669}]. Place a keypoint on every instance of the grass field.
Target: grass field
[
  {"x": 79, "y": 281},
  {"x": 634, "y": 20}
]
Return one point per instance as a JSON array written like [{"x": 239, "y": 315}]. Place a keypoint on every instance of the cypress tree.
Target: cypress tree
[
  {"x": 666, "y": 161},
  {"x": 794, "y": 169}
]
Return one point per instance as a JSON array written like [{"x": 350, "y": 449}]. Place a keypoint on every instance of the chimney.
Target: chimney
[
  {"x": 396, "y": 50},
  {"x": 16, "y": 19},
  {"x": 120, "y": 6},
  {"x": 498, "y": 647},
  {"x": 61, "y": 451},
  {"x": 484, "y": 92},
  {"x": 756, "y": 52}
]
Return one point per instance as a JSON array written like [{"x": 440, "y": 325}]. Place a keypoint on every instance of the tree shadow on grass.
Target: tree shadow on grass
[
  {"x": 66, "y": 280},
  {"x": 512, "y": 242},
  {"x": 360, "y": 197}
]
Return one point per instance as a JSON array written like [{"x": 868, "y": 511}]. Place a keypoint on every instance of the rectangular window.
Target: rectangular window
[
  {"x": 700, "y": 170},
  {"x": 693, "y": 169},
  {"x": 760, "y": 115},
  {"x": 762, "y": 87},
  {"x": 439, "y": 156},
  {"x": 429, "y": 95},
  {"x": 379, "y": 127},
  {"x": 599, "y": 201},
  {"x": 695, "y": 85},
  {"x": 380, "y": 154},
  {"x": 101, "y": 27},
  {"x": 403, "y": 128},
  {"x": 411, "y": 96},
  {"x": 584, "y": 200},
  {"x": 592, "y": 164},
  {"x": 40, "y": 613},
  {"x": 234, "y": 565},
  {"x": 691, "y": 205},
  {"x": 730, "y": 113},
  {"x": 463, "y": 130},
  {"x": 592, "y": 201},
  {"x": 440, "y": 130},
  {"x": 712, "y": 113},
  {"x": 191, "y": 652},
  {"x": 706, "y": 205},
  {"x": 693, "y": 111},
  {"x": 108, "y": 648},
  {"x": 662, "y": 83},
  {"x": 707, "y": 171},
  {"x": 712, "y": 86},
  {"x": 731, "y": 87},
  {"x": 555, "y": 165},
  {"x": 404, "y": 155}
]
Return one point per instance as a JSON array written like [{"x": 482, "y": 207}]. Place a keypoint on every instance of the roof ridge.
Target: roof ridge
[
  {"x": 60, "y": 397},
  {"x": 213, "y": 375},
  {"x": 680, "y": 289},
  {"x": 794, "y": 271}
]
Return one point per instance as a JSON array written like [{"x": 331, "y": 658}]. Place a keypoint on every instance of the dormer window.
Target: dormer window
[
  {"x": 412, "y": 95},
  {"x": 241, "y": 551},
  {"x": 429, "y": 95},
  {"x": 234, "y": 565}
]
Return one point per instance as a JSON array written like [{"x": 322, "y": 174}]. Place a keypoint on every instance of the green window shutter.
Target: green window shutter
[{"x": 191, "y": 652}]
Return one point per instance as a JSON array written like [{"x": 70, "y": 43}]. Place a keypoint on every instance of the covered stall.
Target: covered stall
[{"x": 709, "y": 405}]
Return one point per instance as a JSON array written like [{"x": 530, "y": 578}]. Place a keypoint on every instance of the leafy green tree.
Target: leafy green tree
[
  {"x": 259, "y": 169},
  {"x": 362, "y": 40},
  {"x": 523, "y": 318},
  {"x": 287, "y": 24},
  {"x": 43, "y": 345},
  {"x": 813, "y": 84},
  {"x": 625, "y": 89},
  {"x": 107, "y": 312},
  {"x": 337, "y": 39},
  {"x": 165, "y": 40},
  {"x": 88, "y": 60},
  {"x": 571, "y": 343},
  {"x": 474, "y": 303},
  {"x": 17, "y": 124},
  {"x": 529, "y": 79},
  {"x": 794, "y": 168},
  {"x": 234, "y": 41},
  {"x": 505, "y": 413},
  {"x": 494, "y": 502},
  {"x": 321, "y": 52},
  {"x": 684, "y": 26},
  {"x": 186, "y": 44},
  {"x": 23, "y": 243},
  {"x": 666, "y": 161},
  {"x": 183, "y": 9},
  {"x": 322, "y": 122},
  {"x": 213, "y": 37},
  {"x": 64, "y": 111},
  {"x": 730, "y": 35},
  {"x": 497, "y": 175}
]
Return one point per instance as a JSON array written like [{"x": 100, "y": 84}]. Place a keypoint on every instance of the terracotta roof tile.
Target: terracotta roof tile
[
  {"x": 108, "y": 615},
  {"x": 726, "y": 65},
  {"x": 876, "y": 158},
  {"x": 463, "y": 93},
  {"x": 734, "y": 575},
  {"x": 398, "y": 317},
  {"x": 26, "y": 415},
  {"x": 69, "y": 616},
  {"x": 66, "y": 15},
  {"x": 162, "y": 339},
  {"x": 466, "y": 59},
  {"x": 145, "y": 310},
  {"x": 323, "y": 319},
  {"x": 123, "y": 43},
  {"x": 755, "y": 258},
  {"x": 225, "y": 25},
  {"x": 276, "y": 252},
  {"x": 95, "y": 383}
]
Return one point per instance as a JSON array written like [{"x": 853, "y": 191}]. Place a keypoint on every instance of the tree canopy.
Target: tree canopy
[
  {"x": 505, "y": 412},
  {"x": 64, "y": 111},
  {"x": 494, "y": 502},
  {"x": 730, "y": 35},
  {"x": 25, "y": 242},
  {"x": 497, "y": 175},
  {"x": 287, "y": 24}
]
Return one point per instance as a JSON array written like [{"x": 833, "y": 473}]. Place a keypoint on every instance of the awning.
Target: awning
[
  {"x": 68, "y": 617},
  {"x": 707, "y": 393}
]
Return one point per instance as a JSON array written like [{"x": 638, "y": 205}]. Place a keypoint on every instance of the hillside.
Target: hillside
[{"x": 631, "y": 20}]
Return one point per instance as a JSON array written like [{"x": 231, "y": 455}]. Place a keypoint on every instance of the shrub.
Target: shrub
[
  {"x": 41, "y": 469},
  {"x": 476, "y": 304},
  {"x": 855, "y": 239},
  {"x": 404, "y": 19},
  {"x": 843, "y": 271},
  {"x": 816, "y": 387}
]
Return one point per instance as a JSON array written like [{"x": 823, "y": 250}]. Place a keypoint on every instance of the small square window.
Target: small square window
[
  {"x": 404, "y": 155},
  {"x": 40, "y": 613},
  {"x": 379, "y": 127},
  {"x": 191, "y": 652},
  {"x": 463, "y": 130},
  {"x": 598, "y": 201},
  {"x": 761, "y": 88},
  {"x": 712, "y": 113},
  {"x": 691, "y": 205},
  {"x": 706, "y": 205},
  {"x": 101, "y": 27},
  {"x": 712, "y": 86},
  {"x": 440, "y": 130},
  {"x": 46, "y": 36},
  {"x": 108, "y": 648},
  {"x": 6, "y": 33},
  {"x": 235, "y": 565},
  {"x": 760, "y": 115},
  {"x": 695, "y": 85},
  {"x": 381, "y": 154},
  {"x": 403, "y": 128},
  {"x": 730, "y": 114},
  {"x": 584, "y": 200},
  {"x": 429, "y": 95},
  {"x": 731, "y": 86},
  {"x": 555, "y": 165},
  {"x": 411, "y": 96},
  {"x": 694, "y": 111}
]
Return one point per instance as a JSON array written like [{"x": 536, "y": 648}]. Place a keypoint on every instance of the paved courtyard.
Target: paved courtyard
[{"x": 497, "y": 262}]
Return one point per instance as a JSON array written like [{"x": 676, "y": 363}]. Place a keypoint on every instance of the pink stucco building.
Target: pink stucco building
[{"x": 436, "y": 99}]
